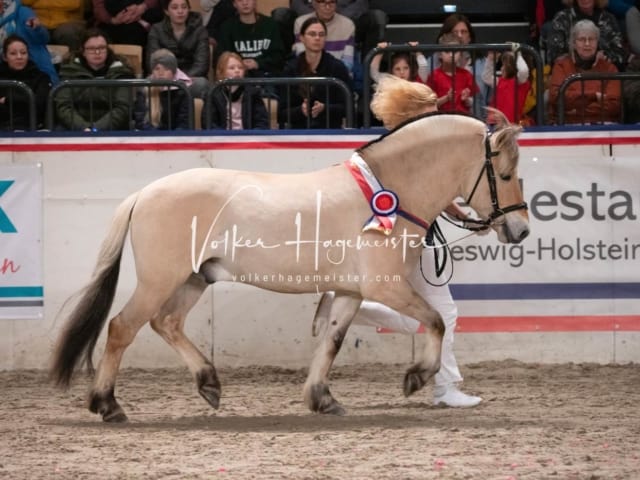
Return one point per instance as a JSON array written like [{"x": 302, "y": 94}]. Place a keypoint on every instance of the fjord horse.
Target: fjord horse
[{"x": 201, "y": 226}]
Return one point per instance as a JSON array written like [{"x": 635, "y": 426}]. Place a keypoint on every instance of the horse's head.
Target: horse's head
[{"x": 497, "y": 194}]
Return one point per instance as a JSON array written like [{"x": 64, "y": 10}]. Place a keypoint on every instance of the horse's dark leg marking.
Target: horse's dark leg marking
[
  {"x": 209, "y": 385},
  {"x": 415, "y": 378},
  {"x": 106, "y": 405},
  {"x": 323, "y": 402}
]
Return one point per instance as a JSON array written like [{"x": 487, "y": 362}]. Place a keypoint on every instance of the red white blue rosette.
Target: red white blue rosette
[{"x": 384, "y": 203}]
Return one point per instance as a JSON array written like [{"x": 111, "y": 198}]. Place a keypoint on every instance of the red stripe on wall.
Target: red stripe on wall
[
  {"x": 184, "y": 146},
  {"x": 584, "y": 323}
]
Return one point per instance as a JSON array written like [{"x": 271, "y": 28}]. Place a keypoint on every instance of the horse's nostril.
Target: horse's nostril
[{"x": 523, "y": 234}]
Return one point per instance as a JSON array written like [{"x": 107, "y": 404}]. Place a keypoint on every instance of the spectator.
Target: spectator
[
  {"x": 460, "y": 26},
  {"x": 610, "y": 46},
  {"x": 340, "y": 39},
  {"x": 370, "y": 23},
  {"x": 619, "y": 8},
  {"x": 539, "y": 14},
  {"x": 168, "y": 106},
  {"x": 404, "y": 65},
  {"x": 94, "y": 108},
  {"x": 20, "y": 20},
  {"x": 631, "y": 89},
  {"x": 238, "y": 107},
  {"x": 182, "y": 32},
  {"x": 305, "y": 107},
  {"x": 632, "y": 21},
  {"x": 14, "y": 105},
  {"x": 255, "y": 38},
  {"x": 214, "y": 14},
  {"x": 126, "y": 21},
  {"x": 454, "y": 86},
  {"x": 511, "y": 88},
  {"x": 588, "y": 102},
  {"x": 64, "y": 19}
]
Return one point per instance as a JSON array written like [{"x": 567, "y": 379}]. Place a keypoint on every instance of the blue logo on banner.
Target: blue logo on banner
[{"x": 5, "y": 224}]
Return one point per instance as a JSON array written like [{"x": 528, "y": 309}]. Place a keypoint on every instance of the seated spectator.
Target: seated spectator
[
  {"x": 632, "y": 21},
  {"x": 370, "y": 23},
  {"x": 539, "y": 14},
  {"x": 511, "y": 87},
  {"x": 460, "y": 26},
  {"x": 20, "y": 20},
  {"x": 588, "y": 102},
  {"x": 340, "y": 39},
  {"x": 14, "y": 105},
  {"x": 406, "y": 65},
  {"x": 182, "y": 32},
  {"x": 126, "y": 21},
  {"x": 168, "y": 107},
  {"x": 610, "y": 43},
  {"x": 94, "y": 108},
  {"x": 304, "y": 106},
  {"x": 631, "y": 94},
  {"x": 237, "y": 107},
  {"x": 454, "y": 86},
  {"x": 64, "y": 19},
  {"x": 214, "y": 14},
  {"x": 255, "y": 38}
]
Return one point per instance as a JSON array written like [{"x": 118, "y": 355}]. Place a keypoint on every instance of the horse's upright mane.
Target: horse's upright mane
[{"x": 415, "y": 119}]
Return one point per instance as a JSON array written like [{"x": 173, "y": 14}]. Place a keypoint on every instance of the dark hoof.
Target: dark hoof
[
  {"x": 323, "y": 402},
  {"x": 414, "y": 380},
  {"x": 209, "y": 386},
  {"x": 106, "y": 405}
]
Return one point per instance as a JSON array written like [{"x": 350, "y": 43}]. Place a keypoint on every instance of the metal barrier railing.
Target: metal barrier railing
[
  {"x": 430, "y": 49},
  {"x": 584, "y": 77},
  {"x": 133, "y": 86},
  {"x": 10, "y": 101},
  {"x": 286, "y": 83}
]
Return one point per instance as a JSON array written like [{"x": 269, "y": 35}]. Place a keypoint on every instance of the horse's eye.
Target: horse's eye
[{"x": 506, "y": 178}]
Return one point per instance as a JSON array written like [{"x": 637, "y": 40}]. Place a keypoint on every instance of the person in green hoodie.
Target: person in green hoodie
[
  {"x": 255, "y": 37},
  {"x": 94, "y": 108}
]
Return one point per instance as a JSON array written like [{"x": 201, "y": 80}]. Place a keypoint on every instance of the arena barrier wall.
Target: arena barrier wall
[{"x": 570, "y": 292}]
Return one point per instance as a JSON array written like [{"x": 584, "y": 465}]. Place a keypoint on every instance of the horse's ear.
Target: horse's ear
[{"x": 499, "y": 117}]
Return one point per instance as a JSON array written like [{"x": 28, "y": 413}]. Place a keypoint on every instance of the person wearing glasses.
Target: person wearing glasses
[
  {"x": 316, "y": 106},
  {"x": 589, "y": 102},
  {"x": 340, "y": 39},
  {"x": 610, "y": 38},
  {"x": 94, "y": 108}
]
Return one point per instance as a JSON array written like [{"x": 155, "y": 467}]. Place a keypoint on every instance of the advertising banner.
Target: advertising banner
[{"x": 21, "y": 292}]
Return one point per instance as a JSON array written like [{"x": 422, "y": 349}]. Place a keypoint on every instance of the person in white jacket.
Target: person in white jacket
[{"x": 395, "y": 101}]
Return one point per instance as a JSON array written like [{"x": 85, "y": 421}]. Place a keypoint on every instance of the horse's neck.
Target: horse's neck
[{"x": 425, "y": 179}]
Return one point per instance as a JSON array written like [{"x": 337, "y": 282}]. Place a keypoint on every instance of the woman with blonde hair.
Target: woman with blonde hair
[
  {"x": 610, "y": 42},
  {"x": 396, "y": 101}
]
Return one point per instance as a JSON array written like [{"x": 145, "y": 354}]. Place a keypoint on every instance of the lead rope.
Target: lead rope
[{"x": 433, "y": 235}]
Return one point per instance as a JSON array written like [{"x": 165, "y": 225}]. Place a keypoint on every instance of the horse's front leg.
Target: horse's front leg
[
  {"x": 316, "y": 389},
  {"x": 404, "y": 299}
]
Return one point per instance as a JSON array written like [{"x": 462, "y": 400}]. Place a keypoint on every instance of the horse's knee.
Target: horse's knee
[
  {"x": 120, "y": 333},
  {"x": 166, "y": 326}
]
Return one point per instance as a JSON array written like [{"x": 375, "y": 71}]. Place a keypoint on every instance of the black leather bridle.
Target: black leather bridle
[{"x": 498, "y": 211}]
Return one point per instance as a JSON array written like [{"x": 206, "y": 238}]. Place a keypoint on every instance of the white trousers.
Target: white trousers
[{"x": 378, "y": 315}]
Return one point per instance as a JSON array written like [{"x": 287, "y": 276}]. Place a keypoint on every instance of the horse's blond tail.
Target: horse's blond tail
[{"x": 80, "y": 334}]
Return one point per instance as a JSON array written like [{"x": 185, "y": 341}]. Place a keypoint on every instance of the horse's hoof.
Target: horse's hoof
[
  {"x": 414, "y": 380},
  {"x": 209, "y": 385},
  {"x": 334, "y": 409},
  {"x": 106, "y": 405},
  {"x": 321, "y": 401},
  {"x": 115, "y": 417}
]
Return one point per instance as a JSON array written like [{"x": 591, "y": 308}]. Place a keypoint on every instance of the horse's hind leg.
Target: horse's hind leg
[
  {"x": 169, "y": 325},
  {"x": 123, "y": 328},
  {"x": 316, "y": 389}
]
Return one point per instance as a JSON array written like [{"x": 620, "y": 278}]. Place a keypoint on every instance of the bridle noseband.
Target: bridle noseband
[{"x": 493, "y": 191}]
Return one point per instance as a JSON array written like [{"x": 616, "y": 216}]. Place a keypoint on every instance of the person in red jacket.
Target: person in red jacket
[
  {"x": 511, "y": 86},
  {"x": 454, "y": 85},
  {"x": 588, "y": 102}
]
